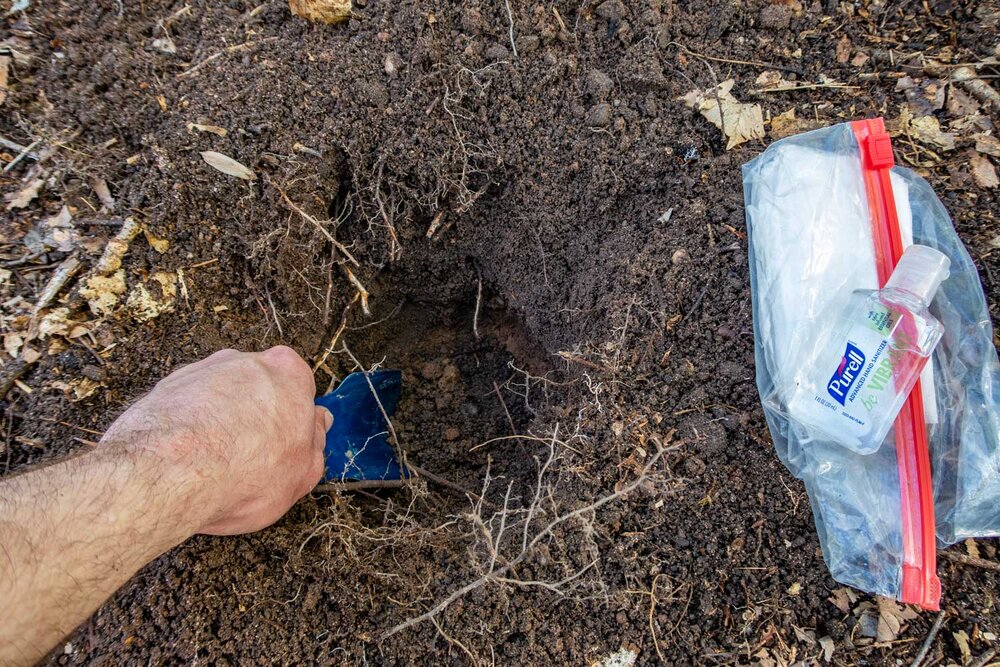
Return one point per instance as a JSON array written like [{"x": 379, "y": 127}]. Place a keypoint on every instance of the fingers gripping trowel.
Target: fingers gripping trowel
[{"x": 357, "y": 446}]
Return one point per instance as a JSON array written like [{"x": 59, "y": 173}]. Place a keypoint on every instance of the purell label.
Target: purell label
[{"x": 846, "y": 374}]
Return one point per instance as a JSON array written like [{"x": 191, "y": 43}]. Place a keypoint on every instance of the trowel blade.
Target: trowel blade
[{"x": 357, "y": 446}]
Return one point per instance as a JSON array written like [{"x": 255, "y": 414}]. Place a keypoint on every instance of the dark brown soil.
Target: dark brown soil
[{"x": 549, "y": 171}]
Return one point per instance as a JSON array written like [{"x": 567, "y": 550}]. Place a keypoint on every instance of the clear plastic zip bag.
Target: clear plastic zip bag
[{"x": 828, "y": 215}]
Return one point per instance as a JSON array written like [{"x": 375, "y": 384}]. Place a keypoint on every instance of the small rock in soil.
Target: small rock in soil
[
  {"x": 323, "y": 11},
  {"x": 598, "y": 84},
  {"x": 680, "y": 256},
  {"x": 393, "y": 63},
  {"x": 776, "y": 17},
  {"x": 471, "y": 21},
  {"x": 599, "y": 115},
  {"x": 527, "y": 44},
  {"x": 613, "y": 10},
  {"x": 497, "y": 53}
]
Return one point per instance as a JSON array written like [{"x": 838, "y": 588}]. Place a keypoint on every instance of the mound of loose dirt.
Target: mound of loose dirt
[{"x": 552, "y": 246}]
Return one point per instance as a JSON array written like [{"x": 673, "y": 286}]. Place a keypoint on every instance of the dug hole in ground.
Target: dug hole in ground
[{"x": 534, "y": 210}]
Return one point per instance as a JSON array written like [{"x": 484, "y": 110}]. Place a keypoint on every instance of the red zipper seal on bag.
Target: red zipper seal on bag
[{"x": 920, "y": 583}]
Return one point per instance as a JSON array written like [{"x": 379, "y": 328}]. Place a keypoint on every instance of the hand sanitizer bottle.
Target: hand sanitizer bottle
[{"x": 859, "y": 371}]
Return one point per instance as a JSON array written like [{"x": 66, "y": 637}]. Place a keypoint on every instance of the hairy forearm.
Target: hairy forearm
[
  {"x": 189, "y": 457},
  {"x": 74, "y": 532}
]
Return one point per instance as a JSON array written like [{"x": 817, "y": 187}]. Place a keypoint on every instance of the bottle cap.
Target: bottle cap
[{"x": 920, "y": 271}]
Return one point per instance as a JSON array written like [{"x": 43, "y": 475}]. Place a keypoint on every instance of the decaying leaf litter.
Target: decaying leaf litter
[{"x": 539, "y": 207}]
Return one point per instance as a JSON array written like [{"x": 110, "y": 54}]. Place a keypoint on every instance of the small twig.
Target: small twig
[
  {"x": 362, "y": 292},
  {"x": 441, "y": 481},
  {"x": 510, "y": 17},
  {"x": 329, "y": 237},
  {"x": 982, "y": 660},
  {"x": 559, "y": 19},
  {"x": 652, "y": 612},
  {"x": 11, "y": 373},
  {"x": 804, "y": 86},
  {"x": 25, "y": 152},
  {"x": 730, "y": 61},
  {"x": 337, "y": 333},
  {"x": 970, "y": 560},
  {"x": 572, "y": 358},
  {"x": 455, "y": 642},
  {"x": 58, "y": 280},
  {"x": 14, "y": 146},
  {"x": 475, "y": 315},
  {"x": 926, "y": 646},
  {"x": 395, "y": 249},
  {"x": 359, "y": 484},
  {"x": 207, "y": 262},
  {"x": 436, "y": 222},
  {"x": 232, "y": 49},
  {"x": 496, "y": 388}
]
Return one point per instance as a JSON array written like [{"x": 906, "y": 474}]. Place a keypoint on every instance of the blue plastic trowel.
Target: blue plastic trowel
[{"x": 357, "y": 445}]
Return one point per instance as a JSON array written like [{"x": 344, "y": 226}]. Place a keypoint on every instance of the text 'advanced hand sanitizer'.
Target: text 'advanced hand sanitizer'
[{"x": 859, "y": 371}]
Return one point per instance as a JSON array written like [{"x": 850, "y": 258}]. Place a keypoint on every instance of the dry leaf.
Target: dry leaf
[
  {"x": 892, "y": 618},
  {"x": 165, "y": 45},
  {"x": 18, "y": 48},
  {"x": 324, "y": 11},
  {"x": 28, "y": 192},
  {"x": 56, "y": 322},
  {"x": 925, "y": 129},
  {"x": 842, "y": 599},
  {"x": 30, "y": 354},
  {"x": 739, "y": 122},
  {"x": 60, "y": 232},
  {"x": 764, "y": 659},
  {"x": 100, "y": 188},
  {"x": 12, "y": 344},
  {"x": 972, "y": 547},
  {"x": 214, "y": 129},
  {"x": 228, "y": 165},
  {"x": 960, "y": 103},
  {"x": 805, "y": 636},
  {"x": 156, "y": 243},
  {"x": 81, "y": 388},
  {"x": 983, "y": 172},
  {"x": 988, "y": 144},
  {"x": 844, "y": 50},
  {"x": 4, "y": 68},
  {"x": 786, "y": 124},
  {"x": 771, "y": 79},
  {"x": 962, "y": 639},
  {"x": 826, "y": 643},
  {"x": 78, "y": 330}
]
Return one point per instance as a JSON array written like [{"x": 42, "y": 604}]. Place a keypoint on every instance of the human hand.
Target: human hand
[{"x": 237, "y": 434}]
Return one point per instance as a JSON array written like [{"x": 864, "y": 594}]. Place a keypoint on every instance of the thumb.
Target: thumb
[{"x": 322, "y": 421}]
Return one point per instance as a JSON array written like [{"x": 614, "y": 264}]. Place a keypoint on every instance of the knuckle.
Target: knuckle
[
  {"x": 286, "y": 359},
  {"x": 282, "y": 354}
]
